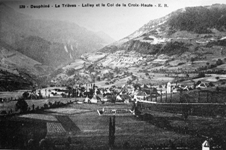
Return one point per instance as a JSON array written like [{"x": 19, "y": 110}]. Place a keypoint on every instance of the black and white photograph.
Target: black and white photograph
[{"x": 112, "y": 75}]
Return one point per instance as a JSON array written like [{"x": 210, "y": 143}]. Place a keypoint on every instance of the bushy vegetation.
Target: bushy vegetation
[
  {"x": 200, "y": 19},
  {"x": 70, "y": 71},
  {"x": 219, "y": 43},
  {"x": 11, "y": 82},
  {"x": 219, "y": 62},
  {"x": 155, "y": 49},
  {"x": 173, "y": 48}
]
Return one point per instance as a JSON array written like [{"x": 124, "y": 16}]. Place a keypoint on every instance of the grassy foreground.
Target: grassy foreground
[{"x": 87, "y": 130}]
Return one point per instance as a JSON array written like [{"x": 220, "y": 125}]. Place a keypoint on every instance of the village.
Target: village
[
  {"x": 53, "y": 105},
  {"x": 126, "y": 88},
  {"x": 113, "y": 78}
]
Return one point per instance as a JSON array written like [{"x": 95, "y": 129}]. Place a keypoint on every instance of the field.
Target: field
[
  {"x": 36, "y": 102},
  {"x": 88, "y": 130}
]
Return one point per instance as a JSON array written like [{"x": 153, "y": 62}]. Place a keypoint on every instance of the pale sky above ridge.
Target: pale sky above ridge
[{"x": 117, "y": 22}]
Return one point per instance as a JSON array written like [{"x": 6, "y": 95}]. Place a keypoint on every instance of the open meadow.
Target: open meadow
[{"x": 87, "y": 129}]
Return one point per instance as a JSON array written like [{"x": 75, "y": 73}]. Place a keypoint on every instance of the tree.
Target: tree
[
  {"x": 212, "y": 65},
  {"x": 134, "y": 77},
  {"x": 187, "y": 75},
  {"x": 70, "y": 71},
  {"x": 117, "y": 70},
  {"x": 26, "y": 95},
  {"x": 224, "y": 59},
  {"x": 211, "y": 84},
  {"x": 192, "y": 60},
  {"x": 219, "y": 62},
  {"x": 98, "y": 78},
  {"x": 129, "y": 82},
  {"x": 198, "y": 82},
  {"x": 21, "y": 105},
  {"x": 70, "y": 82}
]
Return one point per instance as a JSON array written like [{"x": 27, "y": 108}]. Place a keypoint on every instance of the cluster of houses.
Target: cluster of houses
[
  {"x": 120, "y": 58},
  {"x": 131, "y": 92}
]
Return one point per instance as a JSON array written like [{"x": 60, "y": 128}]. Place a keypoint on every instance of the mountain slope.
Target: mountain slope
[
  {"x": 61, "y": 41},
  {"x": 31, "y": 49},
  {"x": 105, "y": 36},
  {"x": 18, "y": 70},
  {"x": 185, "y": 26},
  {"x": 177, "y": 46}
]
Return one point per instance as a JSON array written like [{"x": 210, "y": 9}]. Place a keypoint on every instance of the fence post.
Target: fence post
[
  {"x": 111, "y": 132},
  {"x": 180, "y": 95},
  {"x": 151, "y": 96},
  {"x": 156, "y": 97},
  {"x": 171, "y": 96},
  {"x": 161, "y": 95},
  {"x": 166, "y": 96},
  {"x": 198, "y": 96}
]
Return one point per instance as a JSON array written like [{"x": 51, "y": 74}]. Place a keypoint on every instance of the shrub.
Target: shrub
[
  {"x": 45, "y": 106},
  {"x": 70, "y": 71},
  {"x": 219, "y": 62},
  {"x": 212, "y": 66},
  {"x": 211, "y": 84},
  {"x": 198, "y": 82},
  {"x": 173, "y": 48},
  {"x": 3, "y": 112}
]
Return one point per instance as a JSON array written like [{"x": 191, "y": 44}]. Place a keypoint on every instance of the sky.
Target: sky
[{"x": 116, "y": 21}]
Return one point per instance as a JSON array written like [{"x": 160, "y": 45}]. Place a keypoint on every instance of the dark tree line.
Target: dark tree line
[{"x": 200, "y": 19}]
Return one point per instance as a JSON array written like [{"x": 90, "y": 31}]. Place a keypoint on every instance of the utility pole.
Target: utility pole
[{"x": 111, "y": 132}]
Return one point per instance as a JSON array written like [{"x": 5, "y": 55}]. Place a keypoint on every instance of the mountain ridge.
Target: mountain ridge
[
  {"x": 168, "y": 49},
  {"x": 17, "y": 27},
  {"x": 171, "y": 27},
  {"x": 38, "y": 47},
  {"x": 169, "y": 43}
]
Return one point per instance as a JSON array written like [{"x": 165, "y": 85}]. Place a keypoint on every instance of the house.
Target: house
[
  {"x": 202, "y": 86},
  {"x": 141, "y": 95}
]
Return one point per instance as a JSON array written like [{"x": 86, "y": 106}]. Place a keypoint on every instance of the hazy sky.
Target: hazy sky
[{"x": 117, "y": 22}]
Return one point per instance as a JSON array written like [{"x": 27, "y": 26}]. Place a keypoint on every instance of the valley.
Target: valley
[
  {"x": 159, "y": 52},
  {"x": 165, "y": 82}
]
